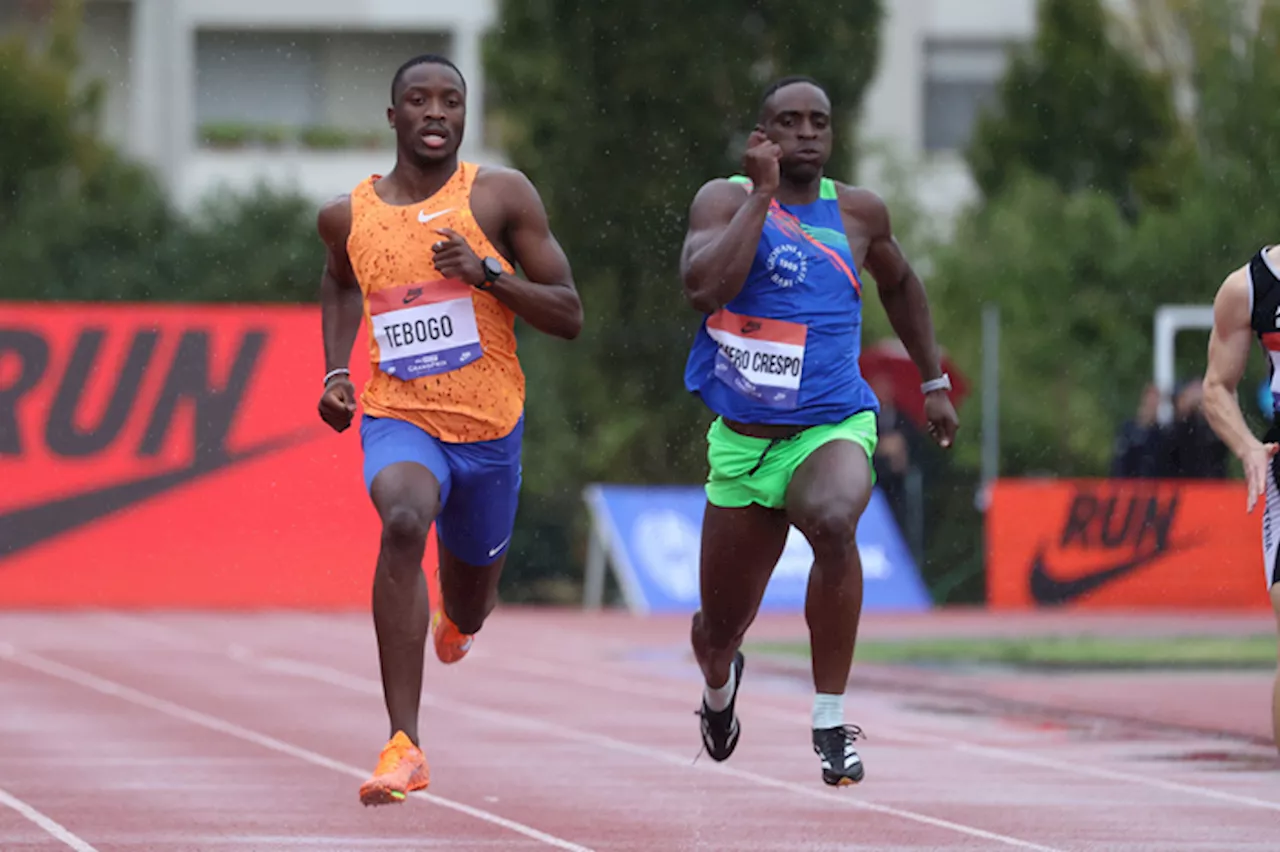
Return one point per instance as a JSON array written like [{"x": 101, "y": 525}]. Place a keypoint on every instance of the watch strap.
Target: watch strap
[{"x": 943, "y": 382}]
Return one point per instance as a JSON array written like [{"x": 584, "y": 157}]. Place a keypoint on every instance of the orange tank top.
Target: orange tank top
[{"x": 443, "y": 353}]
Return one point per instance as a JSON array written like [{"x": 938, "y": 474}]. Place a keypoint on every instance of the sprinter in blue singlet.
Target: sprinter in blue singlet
[{"x": 772, "y": 258}]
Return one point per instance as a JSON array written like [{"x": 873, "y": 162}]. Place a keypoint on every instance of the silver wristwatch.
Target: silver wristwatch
[{"x": 943, "y": 382}]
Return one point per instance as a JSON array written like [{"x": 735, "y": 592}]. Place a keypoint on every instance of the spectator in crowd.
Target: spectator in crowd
[
  {"x": 1139, "y": 442},
  {"x": 896, "y": 449},
  {"x": 1192, "y": 450},
  {"x": 1184, "y": 449}
]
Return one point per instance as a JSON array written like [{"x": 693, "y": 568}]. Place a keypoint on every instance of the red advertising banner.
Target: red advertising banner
[
  {"x": 172, "y": 456},
  {"x": 1093, "y": 544}
]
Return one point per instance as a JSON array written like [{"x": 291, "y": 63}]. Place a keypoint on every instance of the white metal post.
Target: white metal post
[
  {"x": 1169, "y": 320},
  {"x": 597, "y": 562}
]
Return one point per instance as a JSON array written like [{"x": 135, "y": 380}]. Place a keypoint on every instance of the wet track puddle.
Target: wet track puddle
[
  {"x": 1252, "y": 760},
  {"x": 1077, "y": 726}
]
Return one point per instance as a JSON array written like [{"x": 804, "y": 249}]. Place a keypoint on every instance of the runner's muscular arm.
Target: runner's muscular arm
[
  {"x": 341, "y": 302},
  {"x": 725, "y": 224},
  {"x": 548, "y": 299},
  {"x": 1229, "y": 342},
  {"x": 901, "y": 291}
]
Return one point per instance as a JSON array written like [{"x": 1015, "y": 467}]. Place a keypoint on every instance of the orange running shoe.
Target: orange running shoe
[
  {"x": 451, "y": 645},
  {"x": 402, "y": 768}
]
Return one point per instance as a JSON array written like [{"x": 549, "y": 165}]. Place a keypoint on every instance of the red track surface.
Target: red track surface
[{"x": 252, "y": 732}]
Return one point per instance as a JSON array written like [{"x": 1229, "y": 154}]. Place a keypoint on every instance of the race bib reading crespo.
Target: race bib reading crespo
[
  {"x": 762, "y": 359},
  {"x": 425, "y": 329}
]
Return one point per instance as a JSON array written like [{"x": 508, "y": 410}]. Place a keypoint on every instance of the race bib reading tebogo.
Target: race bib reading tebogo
[
  {"x": 762, "y": 359},
  {"x": 425, "y": 329}
]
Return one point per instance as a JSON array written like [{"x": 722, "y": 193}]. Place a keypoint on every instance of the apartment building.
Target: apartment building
[
  {"x": 293, "y": 92},
  {"x": 941, "y": 62}
]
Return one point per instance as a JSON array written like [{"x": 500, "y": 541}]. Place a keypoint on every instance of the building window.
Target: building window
[
  {"x": 316, "y": 89},
  {"x": 961, "y": 79},
  {"x": 258, "y": 78}
]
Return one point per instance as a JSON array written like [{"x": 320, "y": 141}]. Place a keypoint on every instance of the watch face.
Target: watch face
[{"x": 492, "y": 266}]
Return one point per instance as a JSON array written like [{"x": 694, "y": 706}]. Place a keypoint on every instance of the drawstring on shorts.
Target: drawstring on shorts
[{"x": 772, "y": 443}]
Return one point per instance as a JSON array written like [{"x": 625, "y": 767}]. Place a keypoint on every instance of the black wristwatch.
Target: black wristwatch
[{"x": 492, "y": 269}]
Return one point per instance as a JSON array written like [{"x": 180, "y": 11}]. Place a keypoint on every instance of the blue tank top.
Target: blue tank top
[{"x": 785, "y": 349}]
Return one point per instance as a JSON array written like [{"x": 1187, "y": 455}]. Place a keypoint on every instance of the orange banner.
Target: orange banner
[
  {"x": 1173, "y": 544},
  {"x": 172, "y": 456}
]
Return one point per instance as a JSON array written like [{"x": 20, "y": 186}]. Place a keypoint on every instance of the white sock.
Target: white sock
[
  {"x": 828, "y": 711},
  {"x": 718, "y": 699}
]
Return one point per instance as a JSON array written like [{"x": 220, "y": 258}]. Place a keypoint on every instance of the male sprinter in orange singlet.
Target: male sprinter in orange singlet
[{"x": 426, "y": 257}]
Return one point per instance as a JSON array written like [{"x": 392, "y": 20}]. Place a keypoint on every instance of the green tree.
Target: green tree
[
  {"x": 74, "y": 214},
  {"x": 1079, "y": 109},
  {"x": 1078, "y": 282},
  {"x": 49, "y": 122},
  {"x": 618, "y": 113}
]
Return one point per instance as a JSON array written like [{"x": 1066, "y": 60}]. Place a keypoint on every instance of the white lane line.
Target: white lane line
[
  {"x": 650, "y": 688},
  {"x": 213, "y": 723},
  {"x": 658, "y": 690},
  {"x": 53, "y": 828},
  {"x": 327, "y": 674}
]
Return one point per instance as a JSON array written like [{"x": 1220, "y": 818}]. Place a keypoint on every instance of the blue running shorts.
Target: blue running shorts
[{"x": 479, "y": 482}]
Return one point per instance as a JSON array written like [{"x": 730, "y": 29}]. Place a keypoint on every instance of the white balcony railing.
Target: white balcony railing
[{"x": 319, "y": 175}]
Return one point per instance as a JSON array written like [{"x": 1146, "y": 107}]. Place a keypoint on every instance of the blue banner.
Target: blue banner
[{"x": 652, "y": 535}]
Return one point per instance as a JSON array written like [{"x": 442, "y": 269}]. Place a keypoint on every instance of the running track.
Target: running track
[{"x": 167, "y": 732}]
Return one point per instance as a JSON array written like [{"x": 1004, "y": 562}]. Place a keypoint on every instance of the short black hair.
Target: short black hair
[
  {"x": 424, "y": 59},
  {"x": 782, "y": 82}
]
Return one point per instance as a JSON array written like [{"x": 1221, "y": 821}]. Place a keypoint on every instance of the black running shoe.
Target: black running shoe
[
  {"x": 720, "y": 728},
  {"x": 840, "y": 762}
]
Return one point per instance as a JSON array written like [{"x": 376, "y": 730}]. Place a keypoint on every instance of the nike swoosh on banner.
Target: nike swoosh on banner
[
  {"x": 28, "y": 526},
  {"x": 1049, "y": 590}
]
